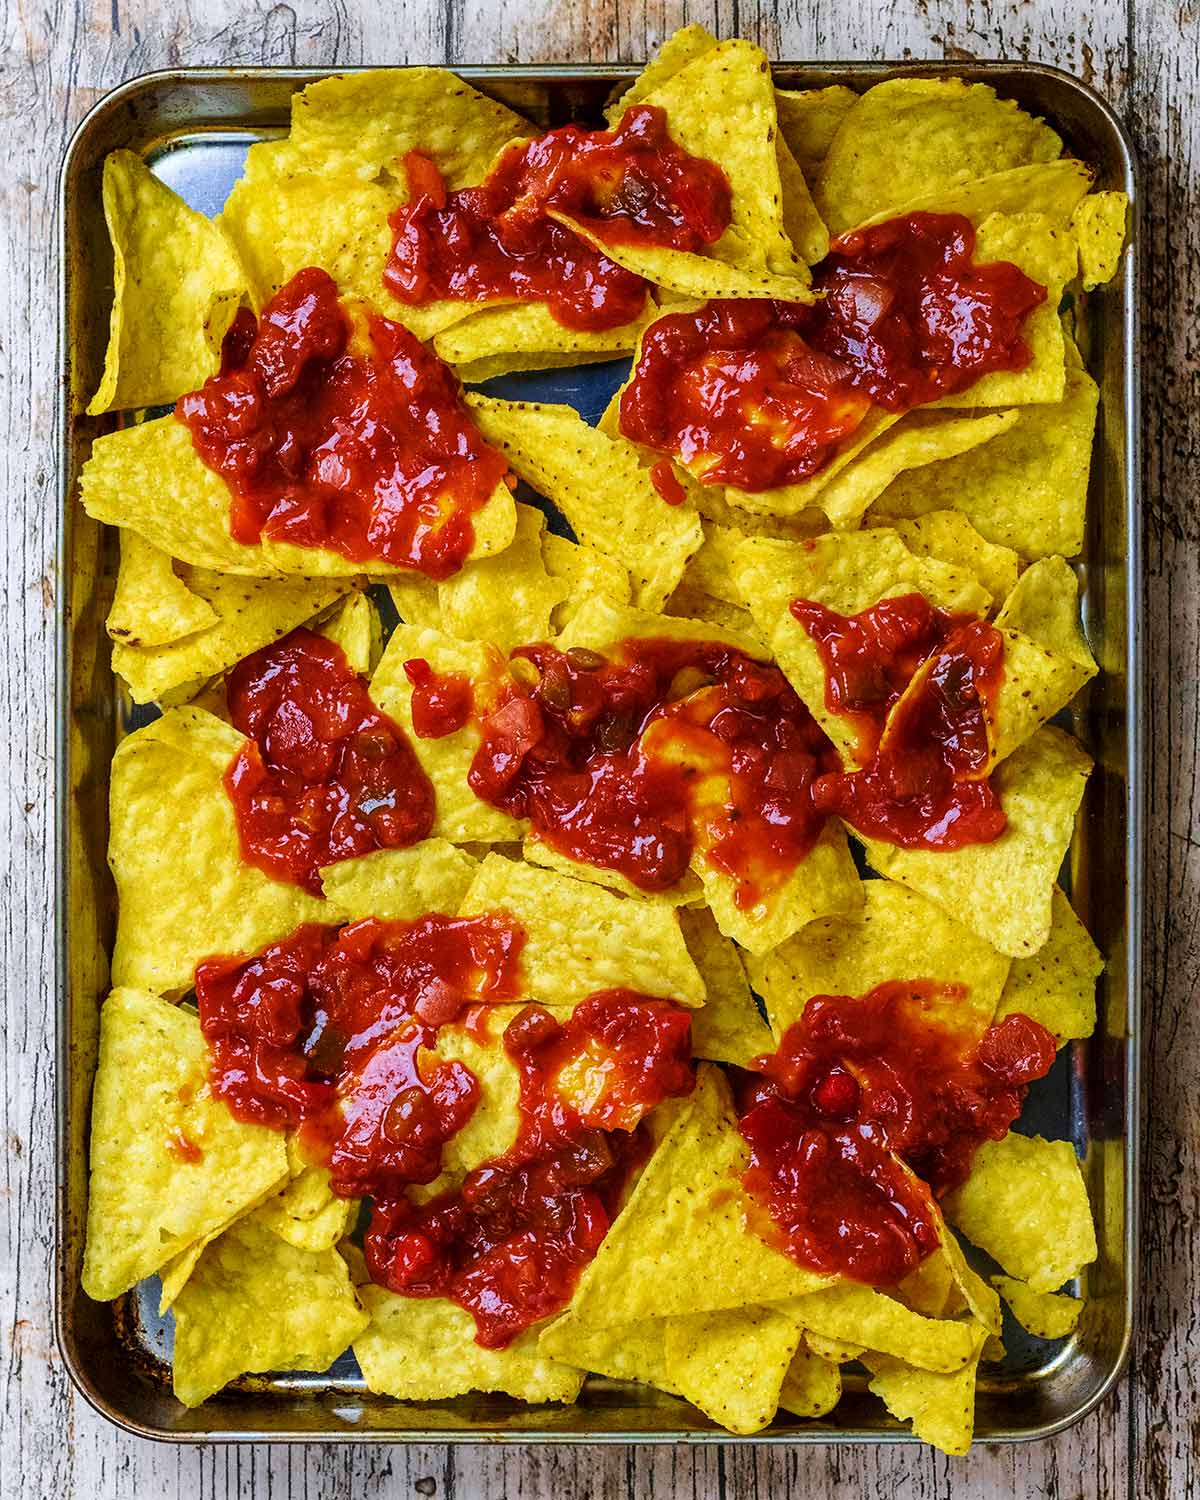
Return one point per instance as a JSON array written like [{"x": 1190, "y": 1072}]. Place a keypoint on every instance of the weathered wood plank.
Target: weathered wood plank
[{"x": 53, "y": 62}]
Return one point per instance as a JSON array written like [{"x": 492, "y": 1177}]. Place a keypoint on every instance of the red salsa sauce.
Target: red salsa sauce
[
  {"x": 760, "y": 394},
  {"x": 860, "y": 1088},
  {"x": 631, "y": 185},
  {"x": 332, "y": 1032},
  {"x": 628, "y": 759},
  {"x": 930, "y": 677},
  {"x": 324, "y": 775},
  {"x": 370, "y": 455},
  {"x": 442, "y": 702},
  {"x": 509, "y": 1242}
]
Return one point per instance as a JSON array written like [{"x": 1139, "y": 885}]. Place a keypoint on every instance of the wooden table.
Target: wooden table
[{"x": 1144, "y": 55}]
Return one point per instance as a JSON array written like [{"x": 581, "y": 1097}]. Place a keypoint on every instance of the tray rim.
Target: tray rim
[{"x": 1134, "y": 739}]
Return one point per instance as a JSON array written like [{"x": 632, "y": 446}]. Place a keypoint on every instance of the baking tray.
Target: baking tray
[{"x": 194, "y": 126}]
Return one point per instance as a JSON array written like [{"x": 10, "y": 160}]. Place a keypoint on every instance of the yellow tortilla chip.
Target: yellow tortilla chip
[
  {"x": 416, "y": 600},
  {"x": 362, "y": 124},
  {"x": 527, "y": 336},
  {"x": 682, "y": 47},
  {"x": 920, "y": 438},
  {"x": 307, "y": 1214},
  {"x": 248, "y": 613},
  {"x": 1054, "y": 188},
  {"x": 801, "y": 221},
  {"x": 791, "y": 501},
  {"x": 846, "y": 572},
  {"x": 1056, "y": 986},
  {"x": 355, "y": 627},
  {"x": 1026, "y": 1204},
  {"x": 813, "y": 1384},
  {"x": 1099, "y": 226},
  {"x": 177, "y": 283},
  {"x": 686, "y": 892},
  {"x": 711, "y": 568},
  {"x": 633, "y": 945},
  {"x": 600, "y": 487},
  {"x": 1044, "y": 606},
  {"x": 400, "y": 885},
  {"x": 940, "y": 1407},
  {"x": 583, "y": 571},
  {"x": 600, "y": 623},
  {"x": 184, "y": 892},
  {"x": 908, "y": 136},
  {"x": 629, "y": 1351},
  {"x": 506, "y": 599},
  {"x": 809, "y": 120},
  {"x": 255, "y": 1303},
  {"x": 727, "y": 1027},
  {"x": 1003, "y": 890},
  {"x": 897, "y": 935},
  {"x": 1027, "y": 488},
  {"x": 681, "y": 1245},
  {"x": 949, "y": 535},
  {"x": 850, "y": 1311},
  {"x": 732, "y": 1364},
  {"x": 424, "y": 1349},
  {"x": 152, "y": 606},
  {"x": 170, "y": 1163},
  {"x": 690, "y": 603},
  {"x": 1044, "y": 1314}
]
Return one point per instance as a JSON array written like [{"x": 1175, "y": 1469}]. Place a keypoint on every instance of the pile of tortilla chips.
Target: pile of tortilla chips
[{"x": 977, "y": 502}]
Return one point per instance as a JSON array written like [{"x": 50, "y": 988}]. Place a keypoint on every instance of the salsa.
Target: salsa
[
  {"x": 631, "y": 758},
  {"x": 862, "y": 1088},
  {"x": 344, "y": 436},
  {"x": 324, "y": 775},
  {"x": 442, "y": 702},
  {"x": 760, "y": 394},
  {"x": 930, "y": 677},
  {"x": 631, "y": 185},
  {"x": 332, "y": 1032},
  {"x": 509, "y": 1242}
]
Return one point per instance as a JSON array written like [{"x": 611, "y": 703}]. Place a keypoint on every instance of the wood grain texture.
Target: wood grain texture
[{"x": 1145, "y": 57}]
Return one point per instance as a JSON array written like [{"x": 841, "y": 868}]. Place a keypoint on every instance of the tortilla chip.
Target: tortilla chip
[
  {"x": 527, "y": 336},
  {"x": 1026, "y": 1204},
  {"x": 789, "y": 501},
  {"x": 682, "y": 47},
  {"x": 416, "y": 600},
  {"x": 941, "y": 1408},
  {"x": 1044, "y": 606},
  {"x": 834, "y": 1350},
  {"x": 801, "y": 221},
  {"x": 307, "y": 1214},
  {"x": 400, "y": 885},
  {"x": 1003, "y": 890},
  {"x": 248, "y": 613},
  {"x": 177, "y": 283},
  {"x": 689, "y": 603},
  {"x": 1044, "y": 1314},
  {"x": 898, "y": 935},
  {"x": 813, "y": 1384},
  {"x": 152, "y": 1110},
  {"x": 632, "y": 945},
  {"x": 254, "y": 1303},
  {"x": 949, "y": 536},
  {"x": 911, "y": 136},
  {"x": 681, "y": 1245},
  {"x": 599, "y": 485},
  {"x": 629, "y": 1351},
  {"x": 152, "y": 606},
  {"x": 506, "y": 599},
  {"x": 1054, "y": 188},
  {"x": 355, "y": 627},
  {"x": 920, "y": 438},
  {"x": 362, "y": 124},
  {"x": 732, "y": 1364},
  {"x": 424, "y": 1349},
  {"x": 721, "y": 106},
  {"x": 583, "y": 571},
  {"x": 460, "y": 815},
  {"x": 727, "y": 1028},
  {"x": 184, "y": 892},
  {"x": 686, "y": 892},
  {"x": 599, "y": 623},
  {"x": 846, "y": 572},
  {"x": 808, "y": 121},
  {"x": 1027, "y": 488},
  {"x": 1099, "y": 226},
  {"x": 711, "y": 568},
  {"x": 1056, "y": 986},
  {"x": 851, "y": 1311}
]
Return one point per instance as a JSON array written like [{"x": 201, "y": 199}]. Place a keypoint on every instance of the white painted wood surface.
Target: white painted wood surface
[{"x": 55, "y": 60}]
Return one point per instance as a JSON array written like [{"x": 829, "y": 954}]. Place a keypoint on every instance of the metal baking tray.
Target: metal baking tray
[{"x": 195, "y": 126}]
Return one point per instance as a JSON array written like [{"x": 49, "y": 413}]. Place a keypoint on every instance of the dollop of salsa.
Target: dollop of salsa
[
  {"x": 333, "y": 1032},
  {"x": 862, "y": 1088},
  {"x": 324, "y": 775},
  {"x": 508, "y": 1244},
  {"x": 631, "y": 185},
  {"x": 365, "y": 451},
  {"x": 759, "y": 394},
  {"x": 930, "y": 678},
  {"x": 631, "y": 758}
]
